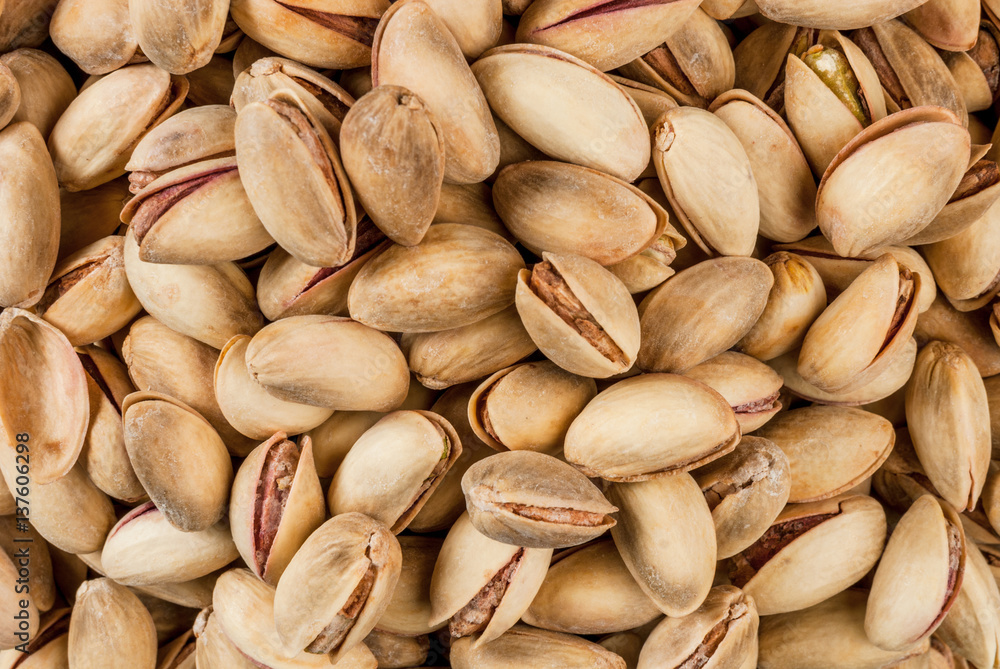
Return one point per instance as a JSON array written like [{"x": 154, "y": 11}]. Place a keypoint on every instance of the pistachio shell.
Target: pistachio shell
[
  {"x": 547, "y": 649},
  {"x": 46, "y": 88},
  {"x": 471, "y": 204},
  {"x": 750, "y": 386},
  {"x": 969, "y": 330},
  {"x": 10, "y": 95},
  {"x": 476, "y": 25},
  {"x": 178, "y": 37},
  {"x": 110, "y": 628},
  {"x": 90, "y": 215},
  {"x": 947, "y": 24},
  {"x": 409, "y": 609},
  {"x": 966, "y": 265},
  {"x": 97, "y": 35},
  {"x": 973, "y": 199},
  {"x": 845, "y": 16},
  {"x": 970, "y": 628}
]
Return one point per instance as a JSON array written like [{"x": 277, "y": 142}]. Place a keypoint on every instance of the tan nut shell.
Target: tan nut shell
[
  {"x": 110, "y": 628},
  {"x": 969, "y": 330},
  {"x": 965, "y": 265},
  {"x": 546, "y": 648},
  {"x": 970, "y": 628},
  {"x": 845, "y": 16},
  {"x": 96, "y": 34},
  {"x": 195, "y": 134},
  {"x": 958, "y": 215},
  {"x": 179, "y": 37},
  {"x": 45, "y": 86},
  {"x": 750, "y": 386},
  {"x": 409, "y": 609},
  {"x": 476, "y": 25},
  {"x": 947, "y": 24}
]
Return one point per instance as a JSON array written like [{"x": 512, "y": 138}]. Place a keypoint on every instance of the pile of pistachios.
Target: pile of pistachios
[{"x": 499, "y": 334}]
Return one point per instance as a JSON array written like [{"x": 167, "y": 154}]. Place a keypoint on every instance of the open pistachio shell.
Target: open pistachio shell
[
  {"x": 970, "y": 628},
  {"x": 110, "y": 627},
  {"x": 46, "y": 88},
  {"x": 973, "y": 199},
  {"x": 182, "y": 37},
  {"x": 414, "y": 49},
  {"x": 568, "y": 109},
  {"x": 845, "y": 16},
  {"x": 554, "y": 649},
  {"x": 96, "y": 34},
  {"x": 276, "y": 504},
  {"x": 409, "y": 609},
  {"x": 751, "y": 387},
  {"x": 966, "y": 266}
]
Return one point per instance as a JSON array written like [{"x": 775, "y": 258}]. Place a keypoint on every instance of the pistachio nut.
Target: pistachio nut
[
  {"x": 729, "y": 9},
  {"x": 294, "y": 179},
  {"x": 528, "y": 407},
  {"x": 973, "y": 199},
  {"x": 830, "y": 449},
  {"x": 397, "y": 650},
  {"x": 186, "y": 594},
  {"x": 946, "y": 24},
  {"x": 811, "y": 552},
  {"x": 589, "y": 590},
  {"x": 210, "y": 303},
  {"x": 566, "y": 108},
  {"x": 90, "y": 215},
  {"x": 475, "y": 25},
  {"x": 45, "y": 87},
  {"x": 973, "y": 71},
  {"x": 88, "y": 296},
  {"x": 607, "y": 35},
  {"x": 91, "y": 142},
  {"x": 971, "y": 627},
  {"x": 488, "y": 595},
  {"x": 350, "y": 566},
  {"x": 110, "y": 627},
  {"x": 468, "y": 353},
  {"x": 36, "y": 594},
  {"x": 831, "y": 359},
  {"x": 178, "y": 38},
  {"x": 145, "y": 549},
  {"x": 721, "y": 632},
  {"x": 694, "y": 64},
  {"x": 751, "y": 387},
  {"x": 619, "y": 437},
  {"x": 951, "y": 436},
  {"x": 546, "y": 648},
  {"x": 666, "y": 537},
  {"x": 966, "y": 265},
  {"x": 40, "y": 369},
  {"x": 457, "y": 275},
  {"x": 96, "y": 34},
  {"x": 409, "y": 608},
  {"x": 29, "y": 202},
  {"x": 329, "y": 33},
  {"x": 394, "y": 467},
  {"x": 564, "y": 208},
  {"x": 415, "y": 50},
  {"x": 818, "y": 14},
  {"x": 762, "y": 56},
  {"x": 48, "y": 648},
  {"x": 651, "y": 267},
  {"x": 513, "y": 148},
  {"x": 918, "y": 577},
  {"x": 471, "y": 204},
  {"x": 797, "y": 297},
  {"x": 393, "y": 152},
  {"x": 701, "y": 312},
  {"x": 745, "y": 490},
  {"x": 213, "y": 647},
  {"x": 708, "y": 180}
]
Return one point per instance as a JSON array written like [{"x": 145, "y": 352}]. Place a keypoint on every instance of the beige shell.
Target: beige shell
[
  {"x": 90, "y": 215},
  {"x": 845, "y": 16},
  {"x": 947, "y": 24},
  {"x": 568, "y": 109},
  {"x": 110, "y": 628},
  {"x": 193, "y": 135},
  {"x": 969, "y": 330},
  {"x": 978, "y": 191},
  {"x": 178, "y": 37},
  {"x": 409, "y": 609},
  {"x": 46, "y": 88},
  {"x": 476, "y": 24},
  {"x": 96, "y": 34},
  {"x": 414, "y": 49},
  {"x": 965, "y": 265},
  {"x": 750, "y": 387},
  {"x": 521, "y": 641},
  {"x": 969, "y": 628}
]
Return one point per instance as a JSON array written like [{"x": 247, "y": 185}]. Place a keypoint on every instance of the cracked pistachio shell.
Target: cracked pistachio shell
[
  {"x": 651, "y": 267},
  {"x": 179, "y": 458},
  {"x": 918, "y": 577},
  {"x": 414, "y": 49},
  {"x": 836, "y": 626},
  {"x": 456, "y": 276},
  {"x": 458, "y": 584},
  {"x": 947, "y": 411},
  {"x": 701, "y": 311},
  {"x": 110, "y": 627},
  {"x": 164, "y": 361},
  {"x": 666, "y": 537},
  {"x": 546, "y": 649},
  {"x": 966, "y": 265},
  {"x": 29, "y": 216},
  {"x": 746, "y": 490},
  {"x": 394, "y": 467},
  {"x": 349, "y": 566},
  {"x": 468, "y": 353},
  {"x": 785, "y": 184},
  {"x": 857, "y": 336},
  {"x": 293, "y": 176},
  {"x": 190, "y": 136},
  {"x": 620, "y": 437},
  {"x": 275, "y": 505},
  {"x": 971, "y": 627},
  {"x": 589, "y": 590},
  {"x": 249, "y": 407},
  {"x": 891, "y": 180},
  {"x": 476, "y": 24},
  {"x": 811, "y": 552},
  {"x": 394, "y": 153},
  {"x": 579, "y": 314},
  {"x": 566, "y": 108},
  {"x": 952, "y": 25},
  {"x": 564, "y": 208},
  {"x": 528, "y": 407},
  {"x": 973, "y": 199},
  {"x": 351, "y": 366},
  {"x": 178, "y": 37},
  {"x": 96, "y": 34},
  {"x": 10, "y": 95},
  {"x": 830, "y": 449},
  {"x": 694, "y": 64},
  {"x": 534, "y": 500},
  {"x": 88, "y": 296},
  {"x": 38, "y": 368},
  {"x": 845, "y": 16},
  {"x": 797, "y": 297},
  {"x": 168, "y": 216},
  {"x": 409, "y": 608},
  {"x": 721, "y": 633},
  {"x": 760, "y": 58},
  {"x": 91, "y": 142},
  {"x": 145, "y": 549},
  {"x": 333, "y": 34},
  {"x": 607, "y": 35},
  {"x": 708, "y": 180},
  {"x": 210, "y": 303},
  {"x": 46, "y": 88},
  {"x": 750, "y": 386},
  {"x": 971, "y": 79},
  {"x": 104, "y": 454}
]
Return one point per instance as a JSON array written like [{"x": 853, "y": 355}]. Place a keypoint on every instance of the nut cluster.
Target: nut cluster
[{"x": 618, "y": 334}]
